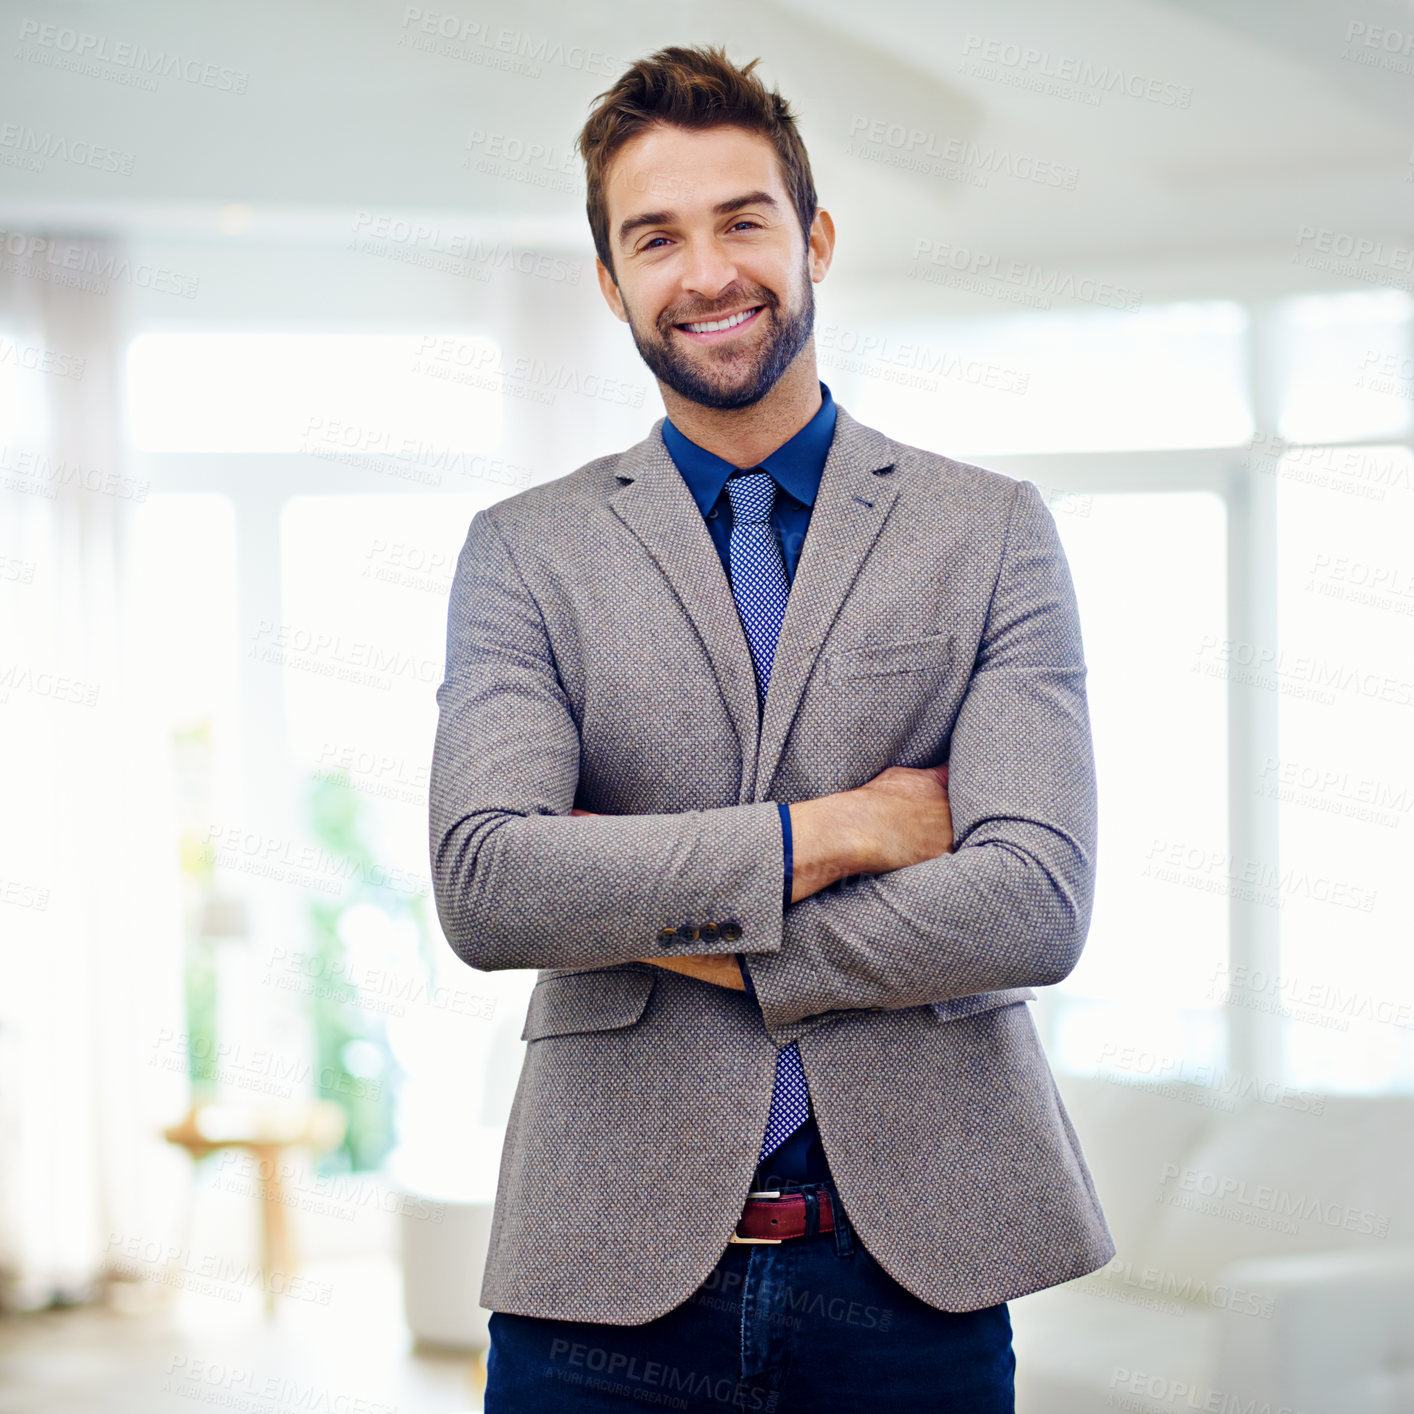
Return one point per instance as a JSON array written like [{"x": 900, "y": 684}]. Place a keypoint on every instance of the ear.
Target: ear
[
  {"x": 822, "y": 244},
  {"x": 610, "y": 290}
]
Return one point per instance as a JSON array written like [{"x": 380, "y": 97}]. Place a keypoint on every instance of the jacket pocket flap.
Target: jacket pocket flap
[
  {"x": 587, "y": 1001},
  {"x": 956, "y": 1007},
  {"x": 932, "y": 653}
]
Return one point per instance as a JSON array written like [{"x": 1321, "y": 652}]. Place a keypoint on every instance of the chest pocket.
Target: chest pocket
[
  {"x": 932, "y": 653},
  {"x": 604, "y": 999}
]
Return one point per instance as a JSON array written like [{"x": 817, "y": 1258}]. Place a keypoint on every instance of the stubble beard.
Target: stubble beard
[{"x": 715, "y": 382}]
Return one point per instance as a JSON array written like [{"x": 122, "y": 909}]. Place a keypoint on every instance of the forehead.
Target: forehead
[{"x": 687, "y": 171}]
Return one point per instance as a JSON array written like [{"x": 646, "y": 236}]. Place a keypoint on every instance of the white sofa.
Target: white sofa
[
  {"x": 1264, "y": 1263},
  {"x": 1277, "y": 1301}
]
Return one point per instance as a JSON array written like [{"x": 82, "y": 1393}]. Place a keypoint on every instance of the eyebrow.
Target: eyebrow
[{"x": 722, "y": 208}]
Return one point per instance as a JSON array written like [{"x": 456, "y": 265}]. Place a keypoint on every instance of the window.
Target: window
[
  {"x": 399, "y": 395},
  {"x": 1162, "y": 376},
  {"x": 1344, "y": 775},
  {"x": 1150, "y": 577}
]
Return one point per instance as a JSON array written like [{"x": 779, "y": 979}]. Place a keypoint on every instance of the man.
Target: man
[{"x": 784, "y": 1137}]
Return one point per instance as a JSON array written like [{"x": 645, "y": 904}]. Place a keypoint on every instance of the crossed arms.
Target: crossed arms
[{"x": 518, "y": 883}]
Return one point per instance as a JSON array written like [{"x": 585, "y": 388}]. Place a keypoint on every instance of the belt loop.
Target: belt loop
[
  {"x": 844, "y": 1241},
  {"x": 812, "y": 1212}
]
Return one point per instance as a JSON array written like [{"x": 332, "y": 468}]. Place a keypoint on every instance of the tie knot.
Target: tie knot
[{"x": 752, "y": 497}]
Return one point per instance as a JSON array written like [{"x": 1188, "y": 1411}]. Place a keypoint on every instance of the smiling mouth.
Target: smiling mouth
[{"x": 709, "y": 328}]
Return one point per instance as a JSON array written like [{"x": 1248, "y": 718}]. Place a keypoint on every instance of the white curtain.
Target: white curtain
[{"x": 90, "y": 922}]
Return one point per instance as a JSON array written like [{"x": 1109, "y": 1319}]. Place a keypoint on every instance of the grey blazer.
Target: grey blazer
[{"x": 595, "y": 658}]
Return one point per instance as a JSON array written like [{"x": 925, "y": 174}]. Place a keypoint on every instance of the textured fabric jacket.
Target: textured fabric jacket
[{"x": 595, "y": 658}]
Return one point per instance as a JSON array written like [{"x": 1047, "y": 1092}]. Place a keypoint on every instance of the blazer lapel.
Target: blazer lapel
[
  {"x": 657, "y": 507},
  {"x": 850, "y": 508},
  {"x": 849, "y": 512}
]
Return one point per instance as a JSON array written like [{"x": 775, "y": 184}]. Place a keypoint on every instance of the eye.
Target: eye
[
  {"x": 649, "y": 244},
  {"x": 745, "y": 221}
]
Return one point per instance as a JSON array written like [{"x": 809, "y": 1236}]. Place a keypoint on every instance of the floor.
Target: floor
[{"x": 156, "y": 1350}]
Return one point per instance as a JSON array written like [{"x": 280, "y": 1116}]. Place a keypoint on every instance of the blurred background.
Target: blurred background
[{"x": 288, "y": 292}]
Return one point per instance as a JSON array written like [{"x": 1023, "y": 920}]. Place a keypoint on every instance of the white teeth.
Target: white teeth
[{"x": 711, "y": 326}]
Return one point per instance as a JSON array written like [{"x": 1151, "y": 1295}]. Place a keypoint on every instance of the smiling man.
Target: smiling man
[{"x": 766, "y": 741}]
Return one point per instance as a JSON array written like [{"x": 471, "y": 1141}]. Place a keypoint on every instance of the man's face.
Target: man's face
[{"x": 682, "y": 262}]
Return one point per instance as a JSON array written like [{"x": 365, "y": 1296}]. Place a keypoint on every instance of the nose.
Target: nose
[{"x": 707, "y": 269}]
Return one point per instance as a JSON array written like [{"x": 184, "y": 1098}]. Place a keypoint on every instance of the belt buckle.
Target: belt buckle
[{"x": 758, "y": 1193}]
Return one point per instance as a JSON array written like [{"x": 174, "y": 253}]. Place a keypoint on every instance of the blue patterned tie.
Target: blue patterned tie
[{"x": 760, "y": 588}]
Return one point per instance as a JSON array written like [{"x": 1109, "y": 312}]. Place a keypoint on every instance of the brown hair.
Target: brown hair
[{"x": 693, "y": 88}]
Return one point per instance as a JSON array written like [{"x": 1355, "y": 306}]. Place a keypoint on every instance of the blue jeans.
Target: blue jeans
[{"x": 812, "y": 1325}]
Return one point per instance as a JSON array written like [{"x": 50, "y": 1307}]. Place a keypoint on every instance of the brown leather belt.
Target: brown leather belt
[{"x": 777, "y": 1217}]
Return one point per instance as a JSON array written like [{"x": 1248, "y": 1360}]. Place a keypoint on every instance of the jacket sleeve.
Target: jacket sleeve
[
  {"x": 517, "y": 881},
  {"x": 1010, "y": 906}
]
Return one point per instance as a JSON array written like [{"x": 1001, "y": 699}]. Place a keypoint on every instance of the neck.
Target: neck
[{"x": 746, "y": 436}]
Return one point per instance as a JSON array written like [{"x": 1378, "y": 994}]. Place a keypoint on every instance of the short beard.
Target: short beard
[{"x": 786, "y": 339}]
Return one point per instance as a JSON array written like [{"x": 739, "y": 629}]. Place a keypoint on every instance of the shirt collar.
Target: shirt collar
[{"x": 796, "y": 464}]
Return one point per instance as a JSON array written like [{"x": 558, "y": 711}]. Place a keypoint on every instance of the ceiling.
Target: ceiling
[{"x": 1180, "y": 144}]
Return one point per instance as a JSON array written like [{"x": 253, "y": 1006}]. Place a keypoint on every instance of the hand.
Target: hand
[
  {"x": 899, "y": 818},
  {"x": 720, "y": 969}
]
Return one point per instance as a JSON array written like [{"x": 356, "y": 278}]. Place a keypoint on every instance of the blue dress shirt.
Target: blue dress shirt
[{"x": 796, "y": 466}]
